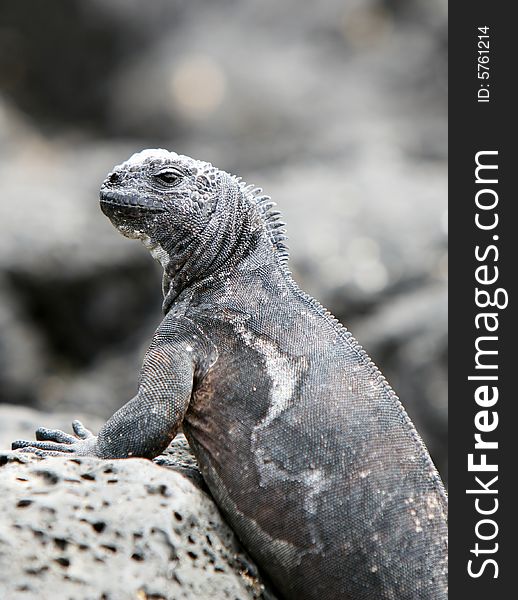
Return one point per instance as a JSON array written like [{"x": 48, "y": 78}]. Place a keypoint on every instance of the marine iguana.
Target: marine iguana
[{"x": 305, "y": 447}]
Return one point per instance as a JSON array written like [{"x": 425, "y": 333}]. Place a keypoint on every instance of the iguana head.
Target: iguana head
[
  {"x": 156, "y": 190},
  {"x": 193, "y": 217}
]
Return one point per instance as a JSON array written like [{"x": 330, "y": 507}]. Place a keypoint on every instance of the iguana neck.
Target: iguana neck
[{"x": 235, "y": 235}]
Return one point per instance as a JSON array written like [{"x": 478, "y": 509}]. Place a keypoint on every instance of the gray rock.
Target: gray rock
[
  {"x": 21, "y": 352},
  {"x": 363, "y": 232},
  {"x": 122, "y": 529},
  {"x": 68, "y": 285}
]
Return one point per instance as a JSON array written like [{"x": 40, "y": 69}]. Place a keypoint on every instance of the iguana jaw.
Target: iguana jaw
[{"x": 127, "y": 204}]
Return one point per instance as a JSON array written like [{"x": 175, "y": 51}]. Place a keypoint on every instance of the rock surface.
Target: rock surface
[{"x": 85, "y": 528}]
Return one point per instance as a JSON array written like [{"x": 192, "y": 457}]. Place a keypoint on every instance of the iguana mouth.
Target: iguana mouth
[{"x": 128, "y": 203}]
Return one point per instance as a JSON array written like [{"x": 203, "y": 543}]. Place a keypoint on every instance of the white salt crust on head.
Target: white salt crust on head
[
  {"x": 161, "y": 155},
  {"x": 149, "y": 154}
]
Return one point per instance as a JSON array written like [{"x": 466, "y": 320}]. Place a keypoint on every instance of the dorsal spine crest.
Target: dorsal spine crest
[{"x": 275, "y": 228}]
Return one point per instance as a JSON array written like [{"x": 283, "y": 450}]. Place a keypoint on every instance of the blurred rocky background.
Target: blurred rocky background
[{"x": 336, "y": 108}]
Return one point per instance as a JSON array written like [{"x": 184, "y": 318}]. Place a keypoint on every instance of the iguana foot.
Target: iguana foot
[{"x": 54, "y": 442}]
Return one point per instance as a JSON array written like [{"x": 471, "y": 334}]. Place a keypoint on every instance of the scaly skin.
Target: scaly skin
[{"x": 305, "y": 447}]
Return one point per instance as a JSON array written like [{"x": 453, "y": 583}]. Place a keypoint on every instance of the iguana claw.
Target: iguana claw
[{"x": 54, "y": 442}]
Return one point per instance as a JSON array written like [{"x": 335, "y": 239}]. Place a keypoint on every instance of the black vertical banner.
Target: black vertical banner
[{"x": 483, "y": 339}]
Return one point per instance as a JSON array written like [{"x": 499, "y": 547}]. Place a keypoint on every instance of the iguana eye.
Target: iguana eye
[{"x": 168, "y": 176}]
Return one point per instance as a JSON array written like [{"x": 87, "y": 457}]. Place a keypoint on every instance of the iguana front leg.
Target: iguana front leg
[{"x": 148, "y": 422}]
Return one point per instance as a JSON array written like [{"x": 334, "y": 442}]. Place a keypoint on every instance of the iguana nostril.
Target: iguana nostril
[{"x": 114, "y": 178}]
